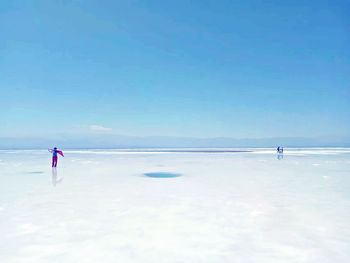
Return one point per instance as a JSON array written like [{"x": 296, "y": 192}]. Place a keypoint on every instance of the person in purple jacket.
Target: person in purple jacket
[{"x": 54, "y": 152}]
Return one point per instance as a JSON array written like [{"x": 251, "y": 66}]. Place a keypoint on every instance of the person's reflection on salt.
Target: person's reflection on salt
[
  {"x": 279, "y": 156},
  {"x": 55, "y": 179}
]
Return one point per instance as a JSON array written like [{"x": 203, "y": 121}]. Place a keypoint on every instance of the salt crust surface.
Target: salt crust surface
[{"x": 98, "y": 206}]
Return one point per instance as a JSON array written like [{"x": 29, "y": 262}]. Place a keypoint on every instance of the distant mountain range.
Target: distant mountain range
[{"x": 120, "y": 141}]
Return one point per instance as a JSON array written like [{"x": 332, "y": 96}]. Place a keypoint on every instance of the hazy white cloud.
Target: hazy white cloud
[{"x": 99, "y": 128}]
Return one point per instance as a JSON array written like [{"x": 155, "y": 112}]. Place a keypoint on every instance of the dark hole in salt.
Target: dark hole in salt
[{"x": 162, "y": 175}]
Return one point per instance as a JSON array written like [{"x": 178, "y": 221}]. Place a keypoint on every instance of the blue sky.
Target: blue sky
[{"x": 241, "y": 69}]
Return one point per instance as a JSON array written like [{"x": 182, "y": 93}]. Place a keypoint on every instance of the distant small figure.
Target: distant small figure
[
  {"x": 54, "y": 152},
  {"x": 279, "y": 149},
  {"x": 279, "y": 153}
]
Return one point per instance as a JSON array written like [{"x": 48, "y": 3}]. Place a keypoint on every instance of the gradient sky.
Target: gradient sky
[{"x": 180, "y": 68}]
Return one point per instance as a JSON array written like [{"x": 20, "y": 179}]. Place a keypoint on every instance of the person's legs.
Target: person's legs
[{"x": 54, "y": 161}]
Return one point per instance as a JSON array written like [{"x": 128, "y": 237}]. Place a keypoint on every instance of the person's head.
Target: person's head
[{"x": 55, "y": 148}]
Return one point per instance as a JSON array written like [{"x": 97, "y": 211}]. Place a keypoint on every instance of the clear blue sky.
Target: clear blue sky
[{"x": 201, "y": 68}]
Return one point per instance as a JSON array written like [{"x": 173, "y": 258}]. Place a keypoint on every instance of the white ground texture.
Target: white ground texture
[{"x": 225, "y": 207}]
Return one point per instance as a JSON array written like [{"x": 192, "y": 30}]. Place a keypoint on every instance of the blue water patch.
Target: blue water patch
[{"x": 162, "y": 175}]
